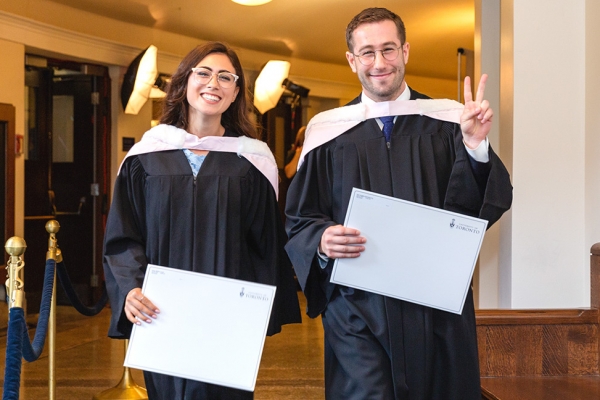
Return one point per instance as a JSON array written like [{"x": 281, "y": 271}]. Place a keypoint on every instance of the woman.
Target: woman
[
  {"x": 293, "y": 155},
  {"x": 197, "y": 193}
]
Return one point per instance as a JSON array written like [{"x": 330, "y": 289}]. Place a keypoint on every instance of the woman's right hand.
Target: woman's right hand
[{"x": 139, "y": 308}]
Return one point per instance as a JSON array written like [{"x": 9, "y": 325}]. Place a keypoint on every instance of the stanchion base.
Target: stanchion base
[
  {"x": 118, "y": 393},
  {"x": 125, "y": 390}
]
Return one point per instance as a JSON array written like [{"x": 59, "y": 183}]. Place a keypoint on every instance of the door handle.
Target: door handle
[{"x": 55, "y": 212}]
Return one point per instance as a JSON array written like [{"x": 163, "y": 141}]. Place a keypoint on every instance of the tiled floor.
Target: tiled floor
[{"x": 88, "y": 362}]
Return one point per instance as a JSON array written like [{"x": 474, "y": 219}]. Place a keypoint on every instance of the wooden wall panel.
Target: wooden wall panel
[
  {"x": 542, "y": 354},
  {"x": 538, "y": 350},
  {"x": 583, "y": 348}
]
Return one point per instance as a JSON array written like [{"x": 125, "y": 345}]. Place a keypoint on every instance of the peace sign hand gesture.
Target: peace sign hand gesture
[{"x": 476, "y": 119}]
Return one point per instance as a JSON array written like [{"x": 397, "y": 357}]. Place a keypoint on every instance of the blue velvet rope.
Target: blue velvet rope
[
  {"x": 18, "y": 344},
  {"x": 65, "y": 282},
  {"x": 32, "y": 351},
  {"x": 14, "y": 349},
  {"x": 18, "y": 337}
]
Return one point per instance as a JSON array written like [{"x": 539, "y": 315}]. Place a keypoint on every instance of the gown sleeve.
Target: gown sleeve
[
  {"x": 272, "y": 265},
  {"x": 308, "y": 199},
  {"x": 124, "y": 259},
  {"x": 486, "y": 196}
]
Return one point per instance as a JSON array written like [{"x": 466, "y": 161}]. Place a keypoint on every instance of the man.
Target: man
[{"x": 377, "y": 347}]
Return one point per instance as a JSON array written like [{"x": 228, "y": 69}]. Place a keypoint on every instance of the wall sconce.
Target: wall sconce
[
  {"x": 270, "y": 84},
  {"x": 139, "y": 80}
]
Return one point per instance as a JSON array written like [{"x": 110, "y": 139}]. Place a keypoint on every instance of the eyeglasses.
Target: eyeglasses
[
  {"x": 204, "y": 75},
  {"x": 367, "y": 57}
]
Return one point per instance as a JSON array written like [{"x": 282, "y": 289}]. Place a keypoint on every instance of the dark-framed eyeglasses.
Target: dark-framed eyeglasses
[
  {"x": 204, "y": 75},
  {"x": 367, "y": 57}
]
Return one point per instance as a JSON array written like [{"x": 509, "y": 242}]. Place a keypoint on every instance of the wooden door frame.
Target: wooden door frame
[{"x": 7, "y": 115}]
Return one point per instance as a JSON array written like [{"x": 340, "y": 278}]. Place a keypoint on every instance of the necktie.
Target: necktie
[{"x": 388, "y": 124}]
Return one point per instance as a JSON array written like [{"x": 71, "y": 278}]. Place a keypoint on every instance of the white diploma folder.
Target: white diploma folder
[
  {"x": 210, "y": 329},
  {"x": 413, "y": 252}
]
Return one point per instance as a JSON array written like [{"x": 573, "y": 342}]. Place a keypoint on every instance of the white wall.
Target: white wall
[
  {"x": 550, "y": 253},
  {"x": 487, "y": 60},
  {"x": 592, "y": 122},
  {"x": 506, "y": 145},
  {"x": 549, "y": 92}
]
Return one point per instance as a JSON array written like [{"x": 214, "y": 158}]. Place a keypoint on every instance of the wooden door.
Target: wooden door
[{"x": 66, "y": 176}]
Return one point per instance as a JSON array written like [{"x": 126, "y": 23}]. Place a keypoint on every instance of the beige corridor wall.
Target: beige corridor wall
[
  {"x": 48, "y": 28},
  {"x": 12, "y": 91}
]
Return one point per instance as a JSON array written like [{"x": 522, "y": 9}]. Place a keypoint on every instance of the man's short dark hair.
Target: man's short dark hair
[{"x": 370, "y": 15}]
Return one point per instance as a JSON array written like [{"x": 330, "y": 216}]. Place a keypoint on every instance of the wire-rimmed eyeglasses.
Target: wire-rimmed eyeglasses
[
  {"x": 367, "y": 57},
  {"x": 204, "y": 75}
]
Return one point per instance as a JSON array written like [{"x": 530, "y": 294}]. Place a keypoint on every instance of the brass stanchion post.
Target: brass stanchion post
[
  {"x": 52, "y": 227},
  {"x": 15, "y": 246}
]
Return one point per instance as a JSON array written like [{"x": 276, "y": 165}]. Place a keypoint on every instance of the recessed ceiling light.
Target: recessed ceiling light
[{"x": 251, "y": 2}]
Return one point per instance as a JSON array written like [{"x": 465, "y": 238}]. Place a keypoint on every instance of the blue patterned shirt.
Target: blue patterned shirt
[{"x": 195, "y": 160}]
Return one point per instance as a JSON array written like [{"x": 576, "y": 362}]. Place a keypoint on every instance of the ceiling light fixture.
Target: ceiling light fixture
[{"x": 251, "y": 2}]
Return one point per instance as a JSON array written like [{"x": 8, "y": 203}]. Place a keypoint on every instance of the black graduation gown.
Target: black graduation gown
[
  {"x": 225, "y": 222},
  {"x": 435, "y": 355}
]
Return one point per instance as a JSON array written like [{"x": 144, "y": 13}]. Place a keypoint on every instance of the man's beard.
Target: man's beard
[{"x": 383, "y": 93}]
